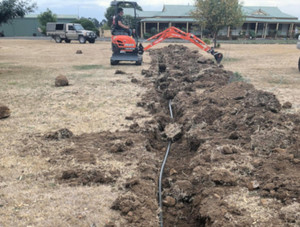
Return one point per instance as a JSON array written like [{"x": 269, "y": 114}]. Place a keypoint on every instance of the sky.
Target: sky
[{"x": 97, "y": 8}]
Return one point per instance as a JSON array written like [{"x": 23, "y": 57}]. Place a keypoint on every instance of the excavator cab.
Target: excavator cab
[{"x": 125, "y": 47}]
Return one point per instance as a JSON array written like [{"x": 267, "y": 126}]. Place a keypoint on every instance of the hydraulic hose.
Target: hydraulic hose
[{"x": 162, "y": 171}]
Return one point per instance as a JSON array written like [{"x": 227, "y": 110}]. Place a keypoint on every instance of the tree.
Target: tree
[
  {"x": 10, "y": 9},
  {"x": 87, "y": 24},
  {"x": 103, "y": 22},
  {"x": 95, "y": 22},
  {"x": 46, "y": 17},
  {"x": 216, "y": 14},
  {"x": 110, "y": 12}
]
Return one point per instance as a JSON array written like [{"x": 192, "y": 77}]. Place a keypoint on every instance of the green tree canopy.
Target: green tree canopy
[
  {"x": 46, "y": 17},
  {"x": 95, "y": 22},
  {"x": 87, "y": 24},
  {"x": 10, "y": 9},
  {"x": 110, "y": 12},
  {"x": 216, "y": 14}
]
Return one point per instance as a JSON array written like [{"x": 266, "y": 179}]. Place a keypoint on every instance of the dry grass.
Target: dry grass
[
  {"x": 269, "y": 67},
  {"x": 97, "y": 100}
]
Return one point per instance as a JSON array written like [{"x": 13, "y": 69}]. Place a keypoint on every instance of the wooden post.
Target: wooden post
[
  {"x": 277, "y": 27},
  {"x": 145, "y": 27},
  {"x": 157, "y": 27},
  {"x": 142, "y": 32},
  {"x": 256, "y": 26},
  {"x": 228, "y": 31},
  {"x": 291, "y": 30},
  {"x": 170, "y": 24},
  {"x": 266, "y": 30},
  {"x": 187, "y": 27}
]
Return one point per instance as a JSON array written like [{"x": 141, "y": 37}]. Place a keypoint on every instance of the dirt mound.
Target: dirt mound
[
  {"x": 234, "y": 160},
  {"x": 61, "y": 81},
  {"x": 235, "y": 142},
  {"x": 4, "y": 111}
]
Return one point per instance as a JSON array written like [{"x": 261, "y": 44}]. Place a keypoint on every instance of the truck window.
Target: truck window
[
  {"x": 59, "y": 27},
  {"x": 78, "y": 27},
  {"x": 71, "y": 28}
]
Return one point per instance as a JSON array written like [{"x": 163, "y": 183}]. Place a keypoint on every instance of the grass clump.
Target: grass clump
[
  {"x": 88, "y": 67},
  {"x": 225, "y": 59},
  {"x": 237, "y": 77}
]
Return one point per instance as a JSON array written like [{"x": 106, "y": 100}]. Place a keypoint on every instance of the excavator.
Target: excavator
[{"x": 127, "y": 48}]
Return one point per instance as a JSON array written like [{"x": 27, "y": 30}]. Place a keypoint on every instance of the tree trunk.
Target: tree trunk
[{"x": 215, "y": 39}]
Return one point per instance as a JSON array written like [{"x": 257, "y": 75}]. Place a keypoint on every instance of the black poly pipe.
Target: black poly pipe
[
  {"x": 170, "y": 108},
  {"x": 161, "y": 173},
  {"x": 159, "y": 184}
]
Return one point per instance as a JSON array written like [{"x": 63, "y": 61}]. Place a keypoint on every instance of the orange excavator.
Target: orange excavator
[
  {"x": 127, "y": 48},
  {"x": 174, "y": 32}
]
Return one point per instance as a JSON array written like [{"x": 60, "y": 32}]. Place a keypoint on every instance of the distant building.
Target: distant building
[
  {"x": 28, "y": 26},
  {"x": 260, "y": 21}
]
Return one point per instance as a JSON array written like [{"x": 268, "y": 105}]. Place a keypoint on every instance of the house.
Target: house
[
  {"x": 260, "y": 21},
  {"x": 28, "y": 25}
]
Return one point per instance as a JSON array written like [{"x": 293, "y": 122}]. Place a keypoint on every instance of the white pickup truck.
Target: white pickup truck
[{"x": 68, "y": 32}]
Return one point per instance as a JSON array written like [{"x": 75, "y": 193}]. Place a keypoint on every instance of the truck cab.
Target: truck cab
[{"x": 69, "y": 31}]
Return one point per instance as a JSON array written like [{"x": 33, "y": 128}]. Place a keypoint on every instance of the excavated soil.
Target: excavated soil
[{"x": 234, "y": 158}]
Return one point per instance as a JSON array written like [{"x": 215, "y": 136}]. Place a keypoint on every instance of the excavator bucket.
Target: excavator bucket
[{"x": 218, "y": 57}]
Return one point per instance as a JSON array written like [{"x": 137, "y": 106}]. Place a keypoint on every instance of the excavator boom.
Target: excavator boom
[{"x": 174, "y": 32}]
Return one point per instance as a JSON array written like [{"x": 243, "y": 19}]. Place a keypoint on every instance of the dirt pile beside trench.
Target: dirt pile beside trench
[
  {"x": 234, "y": 160},
  {"x": 237, "y": 160}
]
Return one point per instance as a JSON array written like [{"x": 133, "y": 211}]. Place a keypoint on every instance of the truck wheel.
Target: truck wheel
[
  {"x": 114, "y": 62},
  {"x": 91, "y": 41},
  {"x": 58, "y": 39},
  {"x": 82, "y": 39},
  {"x": 299, "y": 64},
  {"x": 138, "y": 62},
  {"x": 67, "y": 40}
]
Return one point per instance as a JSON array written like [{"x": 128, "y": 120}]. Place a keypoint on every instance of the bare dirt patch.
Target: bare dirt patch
[{"x": 235, "y": 160}]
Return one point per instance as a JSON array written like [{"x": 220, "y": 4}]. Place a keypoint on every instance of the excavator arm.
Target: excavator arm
[{"x": 173, "y": 32}]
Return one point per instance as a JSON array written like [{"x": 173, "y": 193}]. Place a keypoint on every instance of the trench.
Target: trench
[{"x": 225, "y": 135}]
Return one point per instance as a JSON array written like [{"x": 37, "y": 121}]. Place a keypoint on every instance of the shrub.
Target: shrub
[
  {"x": 207, "y": 41},
  {"x": 252, "y": 34},
  {"x": 153, "y": 31},
  {"x": 147, "y": 35}
]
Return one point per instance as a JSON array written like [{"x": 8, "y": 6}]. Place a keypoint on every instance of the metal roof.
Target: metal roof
[
  {"x": 168, "y": 19},
  {"x": 265, "y": 11},
  {"x": 178, "y": 10},
  {"x": 183, "y": 11},
  {"x": 191, "y": 20},
  {"x": 272, "y": 20}
]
